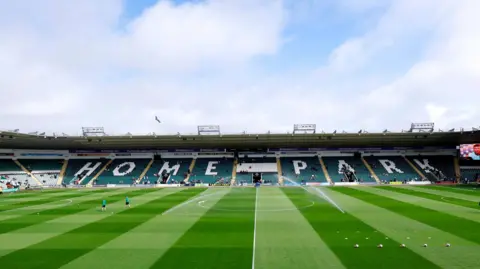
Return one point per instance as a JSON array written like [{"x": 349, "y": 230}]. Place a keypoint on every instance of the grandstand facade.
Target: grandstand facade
[{"x": 310, "y": 159}]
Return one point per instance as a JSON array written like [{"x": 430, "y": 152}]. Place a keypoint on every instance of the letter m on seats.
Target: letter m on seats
[{"x": 169, "y": 169}]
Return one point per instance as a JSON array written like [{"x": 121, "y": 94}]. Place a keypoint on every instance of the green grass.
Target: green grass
[
  {"x": 341, "y": 231},
  {"x": 450, "y": 200},
  {"x": 224, "y": 228},
  {"x": 460, "y": 227},
  {"x": 465, "y": 189}
]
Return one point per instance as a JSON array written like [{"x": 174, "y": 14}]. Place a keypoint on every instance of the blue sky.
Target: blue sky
[{"x": 246, "y": 65}]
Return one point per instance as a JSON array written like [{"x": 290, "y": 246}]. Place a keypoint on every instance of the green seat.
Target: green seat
[
  {"x": 302, "y": 168},
  {"x": 9, "y": 166},
  {"x": 177, "y": 167},
  {"x": 391, "y": 168},
  {"x": 90, "y": 168},
  {"x": 334, "y": 165},
  {"x": 268, "y": 176},
  {"x": 442, "y": 163},
  {"x": 38, "y": 165},
  {"x": 211, "y": 170},
  {"x": 122, "y": 171}
]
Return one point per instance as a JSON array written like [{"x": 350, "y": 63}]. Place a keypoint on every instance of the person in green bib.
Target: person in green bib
[
  {"x": 104, "y": 205},
  {"x": 127, "y": 202}
]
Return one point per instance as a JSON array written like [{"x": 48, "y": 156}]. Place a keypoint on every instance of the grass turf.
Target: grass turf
[{"x": 223, "y": 231}]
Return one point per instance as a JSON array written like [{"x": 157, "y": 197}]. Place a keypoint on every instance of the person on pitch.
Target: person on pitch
[
  {"x": 104, "y": 205},
  {"x": 127, "y": 202}
]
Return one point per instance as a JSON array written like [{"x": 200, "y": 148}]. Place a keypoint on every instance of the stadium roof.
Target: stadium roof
[{"x": 12, "y": 140}]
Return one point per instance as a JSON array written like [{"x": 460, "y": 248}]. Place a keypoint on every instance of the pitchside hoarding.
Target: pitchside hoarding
[{"x": 470, "y": 152}]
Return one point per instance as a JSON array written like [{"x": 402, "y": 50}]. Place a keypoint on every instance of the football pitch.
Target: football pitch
[{"x": 240, "y": 228}]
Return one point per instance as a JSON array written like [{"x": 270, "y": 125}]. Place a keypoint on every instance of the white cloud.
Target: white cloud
[{"x": 192, "y": 64}]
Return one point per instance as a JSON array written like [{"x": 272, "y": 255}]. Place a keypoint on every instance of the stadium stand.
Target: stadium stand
[
  {"x": 266, "y": 166},
  {"x": 470, "y": 174},
  {"x": 46, "y": 171},
  {"x": 434, "y": 168},
  {"x": 122, "y": 171},
  {"x": 13, "y": 173},
  {"x": 174, "y": 170},
  {"x": 392, "y": 168},
  {"x": 334, "y": 167},
  {"x": 302, "y": 169},
  {"x": 81, "y": 171},
  {"x": 212, "y": 170}
]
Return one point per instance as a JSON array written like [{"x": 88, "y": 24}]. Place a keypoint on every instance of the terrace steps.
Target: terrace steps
[
  {"x": 279, "y": 169},
  {"x": 62, "y": 172},
  {"x": 142, "y": 175},
  {"x": 422, "y": 176},
  {"x": 325, "y": 171},
  {"x": 27, "y": 172},
  {"x": 456, "y": 165},
  {"x": 371, "y": 170},
  {"x": 234, "y": 172},
  {"x": 192, "y": 165}
]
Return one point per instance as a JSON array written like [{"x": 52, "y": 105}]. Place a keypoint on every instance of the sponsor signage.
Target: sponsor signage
[
  {"x": 358, "y": 149},
  {"x": 396, "y": 183},
  {"x": 345, "y": 183},
  {"x": 212, "y": 150},
  {"x": 215, "y": 154},
  {"x": 446, "y": 183},
  {"x": 419, "y": 182},
  {"x": 92, "y": 154},
  {"x": 41, "y": 154},
  {"x": 8, "y": 190},
  {"x": 167, "y": 185},
  {"x": 317, "y": 184}
]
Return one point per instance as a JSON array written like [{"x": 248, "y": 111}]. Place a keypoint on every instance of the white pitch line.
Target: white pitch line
[
  {"x": 200, "y": 196},
  {"x": 255, "y": 229}
]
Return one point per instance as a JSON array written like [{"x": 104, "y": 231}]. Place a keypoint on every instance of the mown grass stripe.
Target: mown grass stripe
[
  {"x": 13, "y": 224},
  {"x": 460, "y": 227},
  {"x": 62, "y": 249},
  {"x": 434, "y": 197},
  {"x": 450, "y": 209},
  {"x": 145, "y": 244},
  {"x": 222, "y": 238},
  {"x": 43, "y": 200},
  {"x": 462, "y": 254},
  {"x": 443, "y": 193},
  {"x": 285, "y": 239},
  {"x": 334, "y": 227},
  {"x": 30, "y": 193},
  {"x": 16, "y": 198},
  {"x": 35, "y": 234},
  {"x": 20, "y": 212},
  {"x": 475, "y": 191}
]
